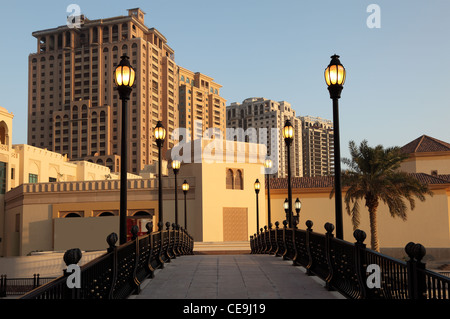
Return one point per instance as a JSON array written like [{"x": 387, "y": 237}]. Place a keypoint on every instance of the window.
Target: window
[
  {"x": 239, "y": 182},
  {"x": 2, "y": 178},
  {"x": 52, "y": 179},
  {"x": 32, "y": 178},
  {"x": 234, "y": 179},
  {"x": 230, "y": 179}
]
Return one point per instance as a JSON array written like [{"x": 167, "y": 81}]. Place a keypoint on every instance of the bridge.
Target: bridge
[{"x": 284, "y": 263}]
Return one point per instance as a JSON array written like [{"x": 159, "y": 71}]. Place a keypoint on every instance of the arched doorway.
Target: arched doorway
[{"x": 139, "y": 218}]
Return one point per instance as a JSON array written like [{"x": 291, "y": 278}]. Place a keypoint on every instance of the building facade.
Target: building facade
[
  {"x": 201, "y": 107},
  {"x": 262, "y": 120},
  {"x": 74, "y": 108},
  {"x": 318, "y": 146}
]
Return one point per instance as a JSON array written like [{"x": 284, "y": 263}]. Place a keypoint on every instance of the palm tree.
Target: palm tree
[{"x": 373, "y": 175}]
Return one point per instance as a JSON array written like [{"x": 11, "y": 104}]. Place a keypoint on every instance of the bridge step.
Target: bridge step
[{"x": 222, "y": 248}]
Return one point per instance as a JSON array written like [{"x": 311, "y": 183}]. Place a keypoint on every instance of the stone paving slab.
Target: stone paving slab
[{"x": 233, "y": 277}]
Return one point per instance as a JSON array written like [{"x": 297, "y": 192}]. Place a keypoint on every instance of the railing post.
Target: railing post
[
  {"x": 285, "y": 224},
  {"x": 36, "y": 281},
  {"x": 149, "y": 227},
  {"x": 135, "y": 238},
  {"x": 261, "y": 236},
  {"x": 167, "y": 254},
  {"x": 112, "y": 249},
  {"x": 328, "y": 239},
  {"x": 3, "y": 286},
  {"x": 277, "y": 225},
  {"x": 417, "y": 287},
  {"x": 71, "y": 257},
  {"x": 361, "y": 264},
  {"x": 309, "y": 225}
]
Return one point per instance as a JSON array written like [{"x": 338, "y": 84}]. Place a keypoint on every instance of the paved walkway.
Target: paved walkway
[{"x": 233, "y": 277}]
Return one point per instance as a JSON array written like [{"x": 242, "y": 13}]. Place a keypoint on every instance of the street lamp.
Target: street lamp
[
  {"x": 335, "y": 78},
  {"x": 176, "y": 168},
  {"x": 298, "y": 207},
  {"x": 124, "y": 78},
  {"x": 268, "y": 166},
  {"x": 160, "y": 134},
  {"x": 185, "y": 188},
  {"x": 286, "y": 208},
  {"x": 288, "y": 134},
  {"x": 257, "y": 189}
]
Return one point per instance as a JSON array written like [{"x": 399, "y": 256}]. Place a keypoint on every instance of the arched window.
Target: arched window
[
  {"x": 182, "y": 78},
  {"x": 141, "y": 213},
  {"x": 3, "y": 133},
  {"x": 106, "y": 214},
  {"x": 95, "y": 35},
  {"x": 239, "y": 182},
  {"x": 230, "y": 179},
  {"x": 115, "y": 33},
  {"x": 71, "y": 215},
  {"x": 105, "y": 34}
]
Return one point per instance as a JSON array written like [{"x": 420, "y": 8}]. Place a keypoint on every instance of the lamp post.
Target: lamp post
[
  {"x": 160, "y": 134},
  {"x": 335, "y": 78},
  {"x": 185, "y": 188},
  {"x": 176, "y": 168},
  {"x": 298, "y": 207},
  {"x": 268, "y": 166},
  {"x": 257, "y": 188},
  {"x": 288, "y": 134},
  {"x": 124, "y": 78}
]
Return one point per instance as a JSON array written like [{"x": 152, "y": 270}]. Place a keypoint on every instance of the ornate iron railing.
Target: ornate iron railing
[
  {"x": 344, "y": 266},
  {"x": 120, "y": 271},
  {"x": 20, "y": 286}
]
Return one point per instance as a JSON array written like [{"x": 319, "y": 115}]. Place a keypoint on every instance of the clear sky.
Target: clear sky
[{"x": 397, "y": 84}]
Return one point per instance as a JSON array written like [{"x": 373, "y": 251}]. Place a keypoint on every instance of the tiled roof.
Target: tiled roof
[
  {"x": 430, "y": 179},
  {"x": 328, "y": 181},
  {"x": 444, "y": 177},
  {"x": 426, "y": 144},
  {"x": 302, "y": 182}
]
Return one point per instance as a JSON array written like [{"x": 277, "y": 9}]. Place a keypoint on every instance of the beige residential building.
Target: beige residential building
[
  {"x": 201, "y": 106},
  {"x": 262, "y": 120},
  {"x": 74, "y": 108},
  {"x": 318, "y": 146}
]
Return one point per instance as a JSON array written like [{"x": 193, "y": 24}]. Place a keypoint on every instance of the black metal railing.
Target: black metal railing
[
  {"x": 344, "y": 266},
  {"x": 20, "y": 286},
  {"x": 120, "y": 271}
]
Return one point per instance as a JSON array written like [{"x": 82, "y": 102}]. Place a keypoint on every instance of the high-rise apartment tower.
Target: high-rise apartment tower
[
  {"x": 264, "y": 120},
  {"x": 201, "y": 106},
  {"x": 74, "y": 107},
  {"x": 318, "y": 146}
]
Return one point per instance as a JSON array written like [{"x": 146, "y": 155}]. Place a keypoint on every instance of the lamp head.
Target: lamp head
[
  {"x": 288, "y": 131},
  {"x": 298, "y": 205},
  {"x": 176, "y": 165},
  {"x": 124, "y": 77},
  {"x": 335, "y": 77},
  {"x": 257, "y": 186},
  {"x": 286, "y": 205},
  {"x": 159, "y": 133},
  {"x": 185, "y": 187}
]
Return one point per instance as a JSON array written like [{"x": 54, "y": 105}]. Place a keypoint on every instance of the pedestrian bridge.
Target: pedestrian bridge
[
  {"x": 282, "y": 263},
  {"x": 242, "y": 276}
]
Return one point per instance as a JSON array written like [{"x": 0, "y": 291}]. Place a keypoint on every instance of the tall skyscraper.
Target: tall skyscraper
[
  {"x": 262, "y": 120},
  {"x": 318, "y": 149},
  {"x": 201, "y": 106},
  {"x": 74, "y": 107}
]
